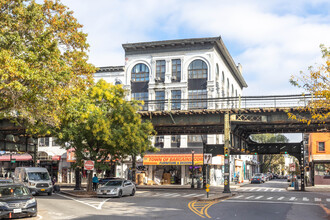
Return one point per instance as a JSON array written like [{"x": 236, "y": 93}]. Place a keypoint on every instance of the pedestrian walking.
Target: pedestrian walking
[{"x": 95, "y": 181}]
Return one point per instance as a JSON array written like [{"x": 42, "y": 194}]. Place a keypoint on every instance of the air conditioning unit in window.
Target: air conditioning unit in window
[
  {"x": 174, "y": 78},
  {"x": 157, "y": 79}
]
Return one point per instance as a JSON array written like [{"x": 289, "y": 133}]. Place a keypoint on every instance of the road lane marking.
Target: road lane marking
[
  {"x": 271, "y": 202},
  {"x": 305, "y": 199},
  {"x": 258, "y": 197},
  {"x": 317, "y": 200},
  {"x": 280, "y": 198},
  {"x": 270, "y": 197},
  {"x": 273, "y": 190},
  {"x": 292, "y": 198},
  {"x": 249, "y": 197},
  {"x": 266, "y": 189},
  {"x": 200, "y": 207},
  {"x": 252, "y": 189},
  {"x": 83, "y": 202},
  {"x": 259, "y": 189}
]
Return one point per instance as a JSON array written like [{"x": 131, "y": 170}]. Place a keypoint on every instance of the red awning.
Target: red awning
[
  {"x": 56, "y": 157},
  {"x": 17, "y": 157}
]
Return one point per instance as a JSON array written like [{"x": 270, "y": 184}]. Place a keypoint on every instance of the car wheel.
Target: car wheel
[
  {"x": 133, "y": 192},
  {"x": 120, "y": 193}
]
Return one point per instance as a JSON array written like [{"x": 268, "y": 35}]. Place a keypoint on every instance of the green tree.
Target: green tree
[
  {"x": 271, "y": 162},
  {"x": 101, "y": 125},
  {"x": 43, "y": 61},
  {"x": 317, "y": 83}
]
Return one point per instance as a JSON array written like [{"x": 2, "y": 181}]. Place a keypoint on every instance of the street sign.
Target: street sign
[
  {"x": 292, "y": 166},
  {"x": 89, "y": 165},
  {"x": 207, "y": 158}
]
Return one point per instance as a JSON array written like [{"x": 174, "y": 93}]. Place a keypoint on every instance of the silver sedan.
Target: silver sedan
[{"x": 116, "y": 188}]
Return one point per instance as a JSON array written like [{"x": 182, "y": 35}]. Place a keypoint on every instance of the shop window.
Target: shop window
[
  {"x": 176, "y": 70},
  {"x": 160, "y": 71},
  {"x": 44, "y": 142},
  {"x": 160, "y": 99},
  {"x": 322, "y": 169},
  {"x": 176, "y": 99},
  {"x": 321, "y": 147},
  {"x": 140, "y": 73}
]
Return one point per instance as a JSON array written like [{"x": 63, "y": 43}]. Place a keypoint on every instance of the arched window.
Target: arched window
[
  {"x": 140, "y": 73},
  {"x": 118, "y": 82},
  {"x": 227, "y": 87},
  {"x": 232, "y": 90},
  {"x": 197, "y": 70}
]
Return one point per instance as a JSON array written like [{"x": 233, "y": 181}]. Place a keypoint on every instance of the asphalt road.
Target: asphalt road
[{"x": 254, "y": 201}]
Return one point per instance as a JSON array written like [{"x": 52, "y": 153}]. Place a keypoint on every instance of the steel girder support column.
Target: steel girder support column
[
  {"x": 227, "y": 153},
  {"x": 302, "y": 167}
]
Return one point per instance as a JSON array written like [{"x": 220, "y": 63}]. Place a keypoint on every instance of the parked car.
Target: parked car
[
  {"x": 103, "y": 181},
  {"x": 256, "y": 179},
  {"x": 35, "y": 178},
  {"x": 6, "y": 181},
  {"x": 262, "y": 176},
  {"x": 116, "y": 188},
  {"x": 16, "y": 201}
]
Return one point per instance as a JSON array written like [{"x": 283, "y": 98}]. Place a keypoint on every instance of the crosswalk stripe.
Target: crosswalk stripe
[
  {"x": 190, "y": 195},
  {"x": 273, "y": 190},
  {"x": 270, "y": 197},
  {"x": 252, "y": 189},
  {"x": 244, "y": 189},
  {"x": 238, "y": 196},
  {"x": 249, "y": 197},
  {"x": 305, "y": 199},
  {"x": 280, "y": 198},
  {"x": 259, "y": 197},
  {"x": 292, "y": 198},
  {"x": 169, "y": 194},
  {"x": 259, "y": 189},
  {"x": 317, "y": 200},
  {"x": 266, "y": 189}
]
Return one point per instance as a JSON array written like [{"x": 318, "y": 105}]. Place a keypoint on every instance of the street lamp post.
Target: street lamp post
[{"x": 193, "y": 173}]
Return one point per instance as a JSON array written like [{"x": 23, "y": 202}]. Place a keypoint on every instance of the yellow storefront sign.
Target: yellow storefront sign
[{"x": 172, "y": 159}]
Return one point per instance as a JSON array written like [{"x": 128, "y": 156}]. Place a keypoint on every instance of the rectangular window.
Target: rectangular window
[
  {"x": 175, "y": 141},
  {"x": 160, "y": 100},
  {"x": 321, "y": 146},
  {"x": 200, "y": 96},
  {"x": 196, "y": 140},
  {"x": 176, "y": 70},
  {"x": 44, "y": 142},
  {"x": 176, "y": 99},
  {"x": 160, "y": 70},
  {"x": 143, "y": 96},
  {"x": 159, "y": 141},
  {"x": 54, "y": 141}
]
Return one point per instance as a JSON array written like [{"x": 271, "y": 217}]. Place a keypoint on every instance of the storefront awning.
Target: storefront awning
[
  {"x": 172, "y": 159},
  {"x": 17, "y": 157}
]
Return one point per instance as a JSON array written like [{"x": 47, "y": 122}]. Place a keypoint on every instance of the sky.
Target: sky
[{"x": 271, "y": 39}]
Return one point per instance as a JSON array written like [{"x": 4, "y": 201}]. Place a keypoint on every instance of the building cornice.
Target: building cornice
[{"x": 110, "y": 69}]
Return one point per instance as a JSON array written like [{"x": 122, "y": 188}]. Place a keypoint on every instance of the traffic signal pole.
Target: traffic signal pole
[{"x": 226, "y": 154}]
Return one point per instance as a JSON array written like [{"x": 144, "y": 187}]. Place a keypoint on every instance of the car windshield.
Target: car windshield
[
  {"x": 114, "y": 183},
  {"x": 38, "y": 176},
  {"x": 13, "y": 191}
]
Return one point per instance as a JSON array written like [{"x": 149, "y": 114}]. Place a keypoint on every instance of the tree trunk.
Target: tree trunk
[
  {"x": 89, "y": 181},
  {"x": 134, "y": 168}
]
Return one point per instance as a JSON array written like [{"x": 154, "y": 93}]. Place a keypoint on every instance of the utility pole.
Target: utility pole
[{"x": 193, "y": 169}]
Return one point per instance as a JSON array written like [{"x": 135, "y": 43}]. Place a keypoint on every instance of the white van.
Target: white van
[{"x": 37, "y": 179}]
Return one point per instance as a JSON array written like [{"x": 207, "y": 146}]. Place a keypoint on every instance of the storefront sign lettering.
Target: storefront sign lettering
[{"x": 167, "y": 159}]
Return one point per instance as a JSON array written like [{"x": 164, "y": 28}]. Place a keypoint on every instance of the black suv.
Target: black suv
[{"x": 16, "y": 201}]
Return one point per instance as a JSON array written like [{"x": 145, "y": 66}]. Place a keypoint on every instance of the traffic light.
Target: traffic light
[{"x": 226, "y": 151}]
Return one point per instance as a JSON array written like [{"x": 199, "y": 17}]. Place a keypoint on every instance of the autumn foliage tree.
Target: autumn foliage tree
[
  {"x": 43, "y": 61},
  {"x": 101, "y": 125},
  {"x": 317, "y": 83}
]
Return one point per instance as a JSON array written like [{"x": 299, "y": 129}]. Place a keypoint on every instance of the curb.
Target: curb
[
  {"x": 217, "y": 198},
  {"x": 78, "y": 196}
]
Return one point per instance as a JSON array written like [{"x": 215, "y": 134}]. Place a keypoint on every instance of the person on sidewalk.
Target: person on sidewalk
[{"x": 95, "y": 181}]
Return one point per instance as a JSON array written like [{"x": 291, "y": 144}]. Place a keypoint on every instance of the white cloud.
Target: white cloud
[{"x": 271, "y": 39}]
